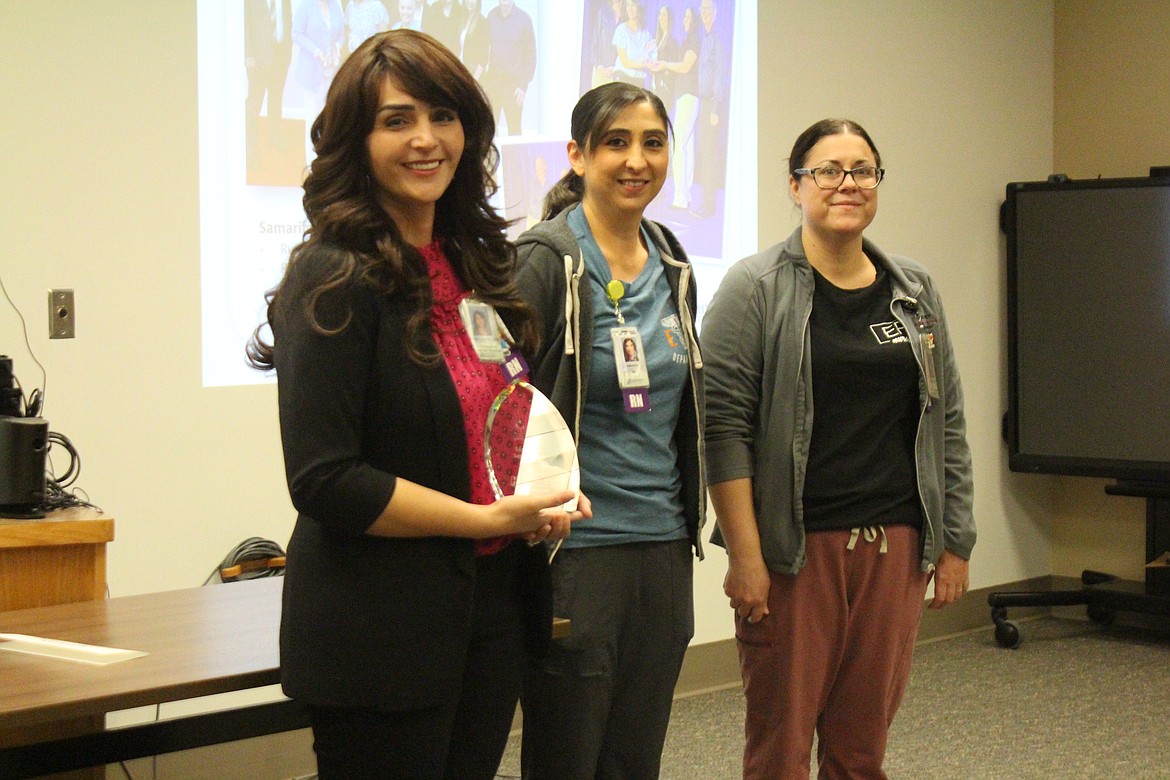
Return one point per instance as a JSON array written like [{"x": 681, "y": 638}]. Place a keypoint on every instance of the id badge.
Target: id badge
[
  {"x": 928, "y": 365},
  {"x": 633, "y": 376},
  {"x": 483, "y": 327}
]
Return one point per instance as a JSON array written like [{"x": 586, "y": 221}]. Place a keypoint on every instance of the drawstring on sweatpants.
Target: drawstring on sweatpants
[{"x": 871, "y": 533}]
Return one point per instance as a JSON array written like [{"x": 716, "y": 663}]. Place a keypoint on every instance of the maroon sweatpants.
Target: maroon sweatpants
[{"x": 833, "y": 656}]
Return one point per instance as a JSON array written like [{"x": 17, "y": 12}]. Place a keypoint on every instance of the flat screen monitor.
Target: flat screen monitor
[{"x": 1088, "y": 282}]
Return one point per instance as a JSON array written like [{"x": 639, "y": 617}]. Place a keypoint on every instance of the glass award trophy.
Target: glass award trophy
[{"x": 527, "y": 446}]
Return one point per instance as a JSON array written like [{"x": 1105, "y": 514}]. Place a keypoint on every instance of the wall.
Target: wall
[
  {"x": 100, "y": 194},
  {"x": 1111, "y": 116},
  {"x": 98, "y": 161}
]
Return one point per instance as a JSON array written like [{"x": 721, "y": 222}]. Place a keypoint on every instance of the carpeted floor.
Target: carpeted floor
[{"x": 1074, "y": 701}]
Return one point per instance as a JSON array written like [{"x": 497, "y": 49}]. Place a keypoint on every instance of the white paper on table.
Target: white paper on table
[{"x": 65, "y": 651}]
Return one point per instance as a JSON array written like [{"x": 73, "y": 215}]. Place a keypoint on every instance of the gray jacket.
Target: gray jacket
[
  {"x": 760, "y": 404},
  {"x": 552, "y": 270}
]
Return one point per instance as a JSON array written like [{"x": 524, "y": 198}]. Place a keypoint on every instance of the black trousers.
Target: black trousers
[
  {"x": 598, "y": 705},
  {"x": 462, "y": 739},
  {"x": 501, "y": 93}
]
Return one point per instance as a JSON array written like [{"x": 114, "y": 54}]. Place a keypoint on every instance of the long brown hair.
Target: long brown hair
[{"x": 343, "y": 213}]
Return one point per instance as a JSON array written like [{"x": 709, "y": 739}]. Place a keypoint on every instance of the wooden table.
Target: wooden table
[
  {"x": 54, "y": 560},
  {"x": 201, "y": 641}
]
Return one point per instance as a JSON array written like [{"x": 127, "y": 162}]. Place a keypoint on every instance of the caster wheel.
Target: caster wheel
[
  {"x": 1100, "y": 615},
  {"x": 1007, "y": 634}
]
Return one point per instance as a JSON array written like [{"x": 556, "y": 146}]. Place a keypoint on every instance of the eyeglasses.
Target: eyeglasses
[{"x": 830, "y": 177}]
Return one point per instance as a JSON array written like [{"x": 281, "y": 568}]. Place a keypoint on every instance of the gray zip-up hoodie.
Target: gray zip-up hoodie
[
  {"x": 551, "y": 271},
  {"x": 760, "y": 403}
]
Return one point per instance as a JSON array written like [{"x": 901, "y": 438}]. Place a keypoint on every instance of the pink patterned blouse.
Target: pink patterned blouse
[{"x": 476, "y": 382}]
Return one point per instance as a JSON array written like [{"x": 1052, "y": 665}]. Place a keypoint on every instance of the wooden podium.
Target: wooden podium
[{"x": 57, "y": 559}]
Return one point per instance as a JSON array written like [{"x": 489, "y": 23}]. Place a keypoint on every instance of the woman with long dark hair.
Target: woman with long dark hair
[
  {"x": 665, "y": 51},
  {"x": 410, "y": 597}
]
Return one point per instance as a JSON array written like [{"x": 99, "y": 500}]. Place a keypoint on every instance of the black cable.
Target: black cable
[
  {"x": 71, "y": 473},
  {"x": 32, "y": 405},
  {"x": 58, "y": 494},
  {"x": 28, "y": 346},
  {"x": 153, "y": 759},
  {"x": 251, "y": 549}
]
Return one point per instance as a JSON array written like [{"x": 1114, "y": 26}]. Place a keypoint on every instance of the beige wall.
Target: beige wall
[
  {"x": 1112, "y": 78},
  {"x": 1111, "y": 119},
  {"x": 98, "y": 162}
]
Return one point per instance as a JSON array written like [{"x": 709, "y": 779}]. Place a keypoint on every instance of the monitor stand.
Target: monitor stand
[{"x": 1103, "y": 595}]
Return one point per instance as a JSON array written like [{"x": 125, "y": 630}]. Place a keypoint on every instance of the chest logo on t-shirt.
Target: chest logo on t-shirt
[
  {"x": 889, "y": 332},
  {"x": 672, "y": 328}
]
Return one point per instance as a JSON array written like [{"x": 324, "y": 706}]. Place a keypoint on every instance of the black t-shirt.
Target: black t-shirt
[{"x": 861, "y": 468}]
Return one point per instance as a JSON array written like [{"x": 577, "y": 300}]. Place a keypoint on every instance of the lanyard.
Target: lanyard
[{"x": 615, "y": 290}]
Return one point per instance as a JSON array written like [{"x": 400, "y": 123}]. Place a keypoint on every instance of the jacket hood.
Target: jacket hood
[
  {"x": 556, "y": 234},
  {"x": 553, "y": 233}
]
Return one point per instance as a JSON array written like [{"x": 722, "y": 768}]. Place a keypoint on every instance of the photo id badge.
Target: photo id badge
[
  {"x": 633, "y": 376},
  {"x": 483, "y": 328}
]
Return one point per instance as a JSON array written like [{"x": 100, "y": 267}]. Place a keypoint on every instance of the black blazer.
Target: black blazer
[{"x": 369, "y": 621}]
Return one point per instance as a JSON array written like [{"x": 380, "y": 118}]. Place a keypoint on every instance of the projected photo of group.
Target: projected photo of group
[
  {"x": 681, "y": 50},
  {"x": 533, "y": 58}
]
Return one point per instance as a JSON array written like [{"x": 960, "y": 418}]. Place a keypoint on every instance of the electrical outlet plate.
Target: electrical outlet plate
[{"x": 61, "y": 314}]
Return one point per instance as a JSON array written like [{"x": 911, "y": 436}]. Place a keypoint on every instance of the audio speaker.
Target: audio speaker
[{"x": 23, "y": 441}]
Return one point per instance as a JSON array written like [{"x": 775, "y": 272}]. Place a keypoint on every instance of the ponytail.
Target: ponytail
[{"x": 569, "y": 190}]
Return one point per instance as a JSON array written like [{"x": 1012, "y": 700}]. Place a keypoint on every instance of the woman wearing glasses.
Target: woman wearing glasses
[{"x": 835, "y": 512}]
